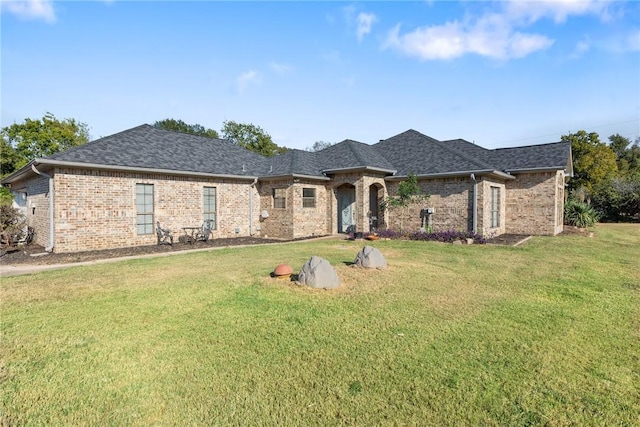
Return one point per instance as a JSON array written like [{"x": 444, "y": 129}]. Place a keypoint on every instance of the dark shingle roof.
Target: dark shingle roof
[
  {"x": 148, "y": 147},
  {"x": 554, "y": 155},
  {"x": 350, "y": 154},
  {"x": 293, "y": 162},
  {"x": 414, "y": 152}
]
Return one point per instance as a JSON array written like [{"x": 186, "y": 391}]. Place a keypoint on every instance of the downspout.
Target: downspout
[
  {"x": 253, "y": 184},
  {"x": 51, "y": 216},
  {"x": 474, "y": 209}
]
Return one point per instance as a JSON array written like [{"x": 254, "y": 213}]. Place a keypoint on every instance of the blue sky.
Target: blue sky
[{"x": 500, "y": 74}]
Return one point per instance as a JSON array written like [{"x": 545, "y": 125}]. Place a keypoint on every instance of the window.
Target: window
[
  {"x": 279, "y": 198},
  {"x": 209, "y": 204},
  {"x": 495, "y": 207},
  {"x": 308, "y": 197},
  {"x": 144, "y": 208}
]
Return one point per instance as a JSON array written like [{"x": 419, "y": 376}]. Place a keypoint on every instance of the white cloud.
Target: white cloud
[
  {"x": 280, "y": 68},
  {"x": 633, "y": 41},
  {"x": 365, "y": 22},
  {"x": 247, "y": 78},
  {"x": 582, "y": 47},
  {"x": 489, "y": 37},
  {"x": 30, "y": 9},
  {"x": 557, "y": 10}
]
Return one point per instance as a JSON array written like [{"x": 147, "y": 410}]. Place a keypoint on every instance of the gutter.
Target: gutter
[
  {"x": 251, "y": 187},
  {"x": 60, "y": 163},
  {"x": 293, "y": 175},
  {"x": 358, "y": 169},
  {"x": 51, "y": 213},
  {"x": 474, "y": 209},
  {"x": 489, "y": 172}
]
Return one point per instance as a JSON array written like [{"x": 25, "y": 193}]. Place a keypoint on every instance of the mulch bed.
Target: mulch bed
[{"x": 36, "y": 255}]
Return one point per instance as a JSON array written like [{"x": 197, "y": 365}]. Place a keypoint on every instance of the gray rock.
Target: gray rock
[
  {"x": 318, "y": 273},
  {"x": 370, "y": 257}
]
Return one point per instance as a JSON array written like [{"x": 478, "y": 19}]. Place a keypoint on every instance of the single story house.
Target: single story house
[{"x": 111, "y": 192}]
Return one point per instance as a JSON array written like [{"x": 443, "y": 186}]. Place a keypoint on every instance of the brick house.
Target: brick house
[{"x": 110, "y": 192}]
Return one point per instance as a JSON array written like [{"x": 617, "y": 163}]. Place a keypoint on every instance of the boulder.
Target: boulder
[
  {"x": 370, "y": 257},
  {"x": 318, "y": 273}
]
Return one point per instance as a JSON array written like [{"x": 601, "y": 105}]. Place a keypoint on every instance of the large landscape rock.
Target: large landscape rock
[
  {"x": 370, "y": 257},
  {"x": 318, "y": 273}
]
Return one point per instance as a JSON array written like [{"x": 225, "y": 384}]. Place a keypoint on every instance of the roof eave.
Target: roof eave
[
  {"x": 539, "y": 169},
  {"x": 293, "y": 175},
  {"x": 21, "y": 173},
  {"x": 359, "y": 169},
  {"x": 61, "y": 163},
  {"x": 483, "y": 172}
]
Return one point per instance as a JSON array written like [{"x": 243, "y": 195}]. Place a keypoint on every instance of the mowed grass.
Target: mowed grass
[{"x": 547, "y": 333}]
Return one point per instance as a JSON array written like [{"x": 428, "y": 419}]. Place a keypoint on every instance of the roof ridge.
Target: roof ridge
[
  {"x": 464, "y": 155},
  {"x": 531, "y": 145},
  {"x": 355, "y": 152}
]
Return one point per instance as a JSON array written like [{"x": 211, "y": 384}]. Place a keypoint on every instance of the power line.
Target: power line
[{"x": 631, "y": 137}]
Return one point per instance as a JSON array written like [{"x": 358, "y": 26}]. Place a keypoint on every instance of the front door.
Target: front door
[{"x": 346, "y": 210}]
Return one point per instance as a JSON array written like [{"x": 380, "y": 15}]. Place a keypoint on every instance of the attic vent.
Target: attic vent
[
  {"x": 244, "y": 169},
  {"x": 270, "y": 168}
]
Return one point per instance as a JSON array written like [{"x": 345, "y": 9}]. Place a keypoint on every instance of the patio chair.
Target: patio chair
[
  {"x": 164, "y": 235},
  {"x": 205, "y": 231}
]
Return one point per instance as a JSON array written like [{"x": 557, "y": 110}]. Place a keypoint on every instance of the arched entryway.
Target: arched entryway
[
  {"x": 376, "y": 193},
  {"x": 346, "y": 195}
]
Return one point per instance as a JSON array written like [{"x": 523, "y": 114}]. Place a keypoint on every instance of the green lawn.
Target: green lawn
[{"x": 547, "y": 333}]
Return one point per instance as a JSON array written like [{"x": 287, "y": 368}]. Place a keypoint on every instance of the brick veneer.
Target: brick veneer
[
  {"x": 97, "y": 209},
  {"x": 535, "y": 203}
]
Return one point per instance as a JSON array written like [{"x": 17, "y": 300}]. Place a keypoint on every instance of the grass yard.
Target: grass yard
[{"x": 547, "y": 333}]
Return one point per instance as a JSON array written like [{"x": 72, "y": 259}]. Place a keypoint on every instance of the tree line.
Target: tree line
[{"x": 606, "y": 176}]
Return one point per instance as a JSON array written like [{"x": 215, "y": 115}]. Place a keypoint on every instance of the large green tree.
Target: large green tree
[
  {"x": 251, "y": 137},
  {"x": 40, "y": 138},
  {"x": 180, "y": 126},
  {"x": 593, "y": 161},
  {"x": 627, "y": 155}
]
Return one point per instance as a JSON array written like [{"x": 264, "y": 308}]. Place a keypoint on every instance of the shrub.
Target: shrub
[
  {"x": 437, "y": 236},
  {"x": 580, "y": 214}
]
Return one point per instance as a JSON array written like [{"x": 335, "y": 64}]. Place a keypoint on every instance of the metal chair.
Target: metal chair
[
  {"x": 205, "y": 231},
  {"x": 164, "y": 235}
]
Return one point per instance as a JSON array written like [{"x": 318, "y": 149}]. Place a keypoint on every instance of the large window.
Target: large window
[
  {"x": 144, "y": 208},
  {"x": 308, "y": 197},
  {"x": 209, "y": 204},
  {"x": 495, "y": 207},
  {"x": 279, "y": 198}
]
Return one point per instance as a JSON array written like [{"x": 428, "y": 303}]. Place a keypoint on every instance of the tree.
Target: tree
[
  {"x": 627, "y": 157},
  {"x": 251, "y": 137},
  {"x": 320, "y": 145},
  {"x": 618, "y": 200},
  {"x": 593, "y": 161},
  {"x": 41, "y": 138},
  {"x": 180, "y": 126},
  {"x": 8, "y": 158}
]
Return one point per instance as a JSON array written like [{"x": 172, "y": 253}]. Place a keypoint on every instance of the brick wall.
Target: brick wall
[
  {"x": 97, "y": 209},
  {"x": 449, "y": 197},
  {"x": 294, "y": 220},
  {"x": 535, "y": 202},
  {"x": 36, "y": 208}
]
